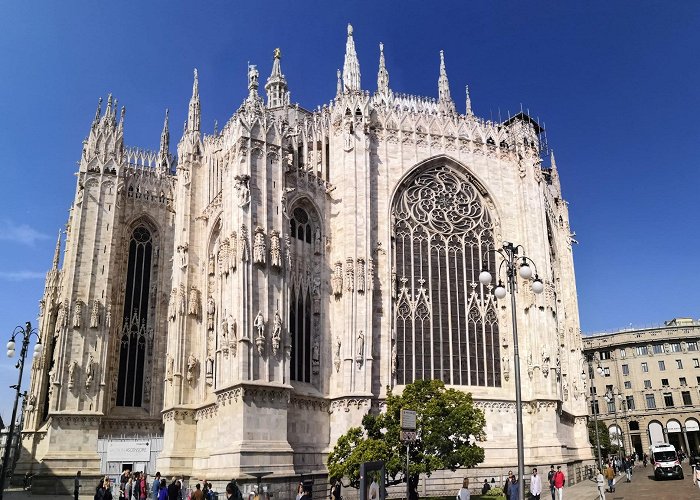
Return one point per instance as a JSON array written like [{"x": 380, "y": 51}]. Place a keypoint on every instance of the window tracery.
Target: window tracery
[{"x": 445, "y": 321}]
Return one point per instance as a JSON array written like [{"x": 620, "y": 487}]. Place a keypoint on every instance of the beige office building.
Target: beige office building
[{"x": 654, "y": 374}]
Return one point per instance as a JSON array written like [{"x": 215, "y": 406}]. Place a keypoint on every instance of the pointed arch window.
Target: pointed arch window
[
  {"x": 445, "y": 321},
  {"x": 135, "y": 337}
]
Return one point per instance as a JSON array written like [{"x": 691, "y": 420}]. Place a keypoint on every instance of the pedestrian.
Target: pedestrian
[
  {"x": 506, "y": 485},
  {"x": 486, "y": 487},
  {"x": 107, "y": 494},
  {"x": 143, "y": 487},
  {"x": 535, "y": 485},
  {"x": 559, "y": 481},
  {"x": 100, "y": 490},
  {"x": 197, "y": 494},
  {"x": 600, "y": 483},
  {"x": 300, "y": 491},
  {"x": 337, "y": 489},
  {"x": 155, "y": 489},
  {"x": 173, "y": 493},
  {"x": 550, "y": 480},
  {"x": 610, "y": 476},
  {"x": 76, "y": 485},
  {"x": 696, "y": 475},
  {"x": 463, "y": 493},
  {"x": 163, "y": 490},
  {"x": 513, "y": 488}
]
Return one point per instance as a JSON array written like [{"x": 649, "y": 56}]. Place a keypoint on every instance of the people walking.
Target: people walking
[
  {"x": 535, "y": 485},
  {"x": 559, "y": 481},
  {"x": 463, "y": 493},
  {"x": 486, "y": 487},
  {"x": 550, "y": 480},
  {"x": 600, "y": 483},
  {"x": 506, "y": 485},
  {"x": 76, "y": 485},
  {"x": 155, "y": 488},
  {"x": 610, "y": 476},
  {"x": 696, "y": 474},
  {"x": 513, "y": 488},
  {"x": 197, "y": 494},
  {"x": 163, "y": 490}
]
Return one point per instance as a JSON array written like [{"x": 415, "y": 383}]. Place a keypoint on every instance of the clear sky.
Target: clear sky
[{"x": 617, "y": 85}]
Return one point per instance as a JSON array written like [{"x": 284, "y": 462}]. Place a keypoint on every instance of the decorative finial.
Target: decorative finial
[
  {"x": 339, "y": 86},
  {"x": 383, "y": 74},
  {"x": 98, "y": 112},
  {"x": 57, "y": 252},
  {"x": 553, "y": 163},
  {"x": 277, "y": 53},
  {"x": 193, "y": 113},
  {"x": 443, "y": 83},
  {"x": 216, "y": 127},
  {"x": 351, "y": 67},
  {"x": 469, "y": 102}
]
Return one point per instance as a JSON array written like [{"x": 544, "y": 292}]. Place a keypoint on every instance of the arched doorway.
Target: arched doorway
[
  {"x": 636, "y": 438},
  {"x": 692, "y": 430},
  {"x": 675, "y": 436},
  {"x": 656, "y": 433}
]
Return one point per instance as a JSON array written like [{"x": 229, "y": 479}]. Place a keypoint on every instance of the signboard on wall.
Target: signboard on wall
[{"x": 128, "y": 451}]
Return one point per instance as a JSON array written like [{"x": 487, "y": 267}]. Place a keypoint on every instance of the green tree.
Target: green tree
[
  {"x": 445, "y": 420},
  {"x": 606, "y": 447}
]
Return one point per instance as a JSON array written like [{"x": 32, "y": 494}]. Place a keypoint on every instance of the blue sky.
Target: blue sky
[{"x": 616, "y": 83}]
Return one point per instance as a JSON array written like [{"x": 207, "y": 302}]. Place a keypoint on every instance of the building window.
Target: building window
[
  {"x": 642, "y": 350},
  {"x": 630, "y": 402},
  {"x": 679, "y": 364},
  {"x": 611, "y": 406},
  {"x": 625, "y": 370},
  {"x": 651, "y": 402},
  {"x": 623, "y": 353},
  {"x": 442, "y": 237},
  {"x": 658, "y": 348},
  {"x": 645, "y": 367},
  {"x": 594, "y": 390},
  {"x": 693, "y": 346},
  {"x": 668, "y": 399},
  {"x": 605, "y": 355},
  {"x": 647, "y": 384},
  {"x": 628, "y": 384},
  {"x": 687, "y": 401},
  {"x": 662, "y": 366},
  {"x": 683, "y": 382},
  {"x": 136, "y": 337},
  {"x": 300, "y": 300},
  {"x": 697, "y": 379},
  {"x": 664, "y": 382},
  {"x": 675, "y": 347},
  {"x": 606, "y": 372},
  {"x": 696, "y": 363},
  {"x": 595, "y": 409}
]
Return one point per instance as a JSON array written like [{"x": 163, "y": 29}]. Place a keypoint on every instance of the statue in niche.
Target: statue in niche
[
  {"x": 259, "y": 246},
  {"x": 316, "y": 294},
  {"x": 194, "y": 302},
  {"x": 370, "y": 274},
  {"x": 244, "y": 244},
  {"x": 89, "y": 372},
  {"x": 95, "y": 314},
  {"x": 211, "y": 310},
  {"x": 361, "y": 275},
  {"x": 147, "y": 389},
  {"x": 172, "y": 304},
  {"x": 289, "y": 254},
  {"x": 545, "y": 362},
  {"x": 182, "y": 255},
  {"x": 192, "y": 364},
  {"x": 211, "y": 265},
  {"x": 336, "y": 353},
  {"x": 154, "y": 293},
  {"x": 283, "y": 201},
  {"x": 77, "y": 313},
  {"x": 243, "y": 190},
  {"x": 349, "y": 275},
  {"x": 275, "y": 254},
  {"x": 530, "y": 369},
  {"x": 71, "y": 374},
  {"x": 223, "y": 258},
  {"x": 360, "y": 347},
  {"x": 169, "y": 368},
  {"x": 505, "y": 366},
  {"x": 259, "y": 325},
  {"x": 347, "y": 135},
  {"x": 276, "y": 333},
  {"x": 316, "y": 357},
  {"x": 394, "y": 358},
  {"x": 337, "y": 280},
  {"x": 317, "y": 241},
  {"x": 108, "y": 316}
]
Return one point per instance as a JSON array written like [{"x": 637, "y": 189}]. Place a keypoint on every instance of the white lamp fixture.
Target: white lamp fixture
[
  {"x": 485, "y": 277},
  {"x": 525, "y": 271}
]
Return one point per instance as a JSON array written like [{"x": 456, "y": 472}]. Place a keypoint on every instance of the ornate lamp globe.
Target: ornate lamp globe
[
  {"x": 485, "y": 277},
  {"x": 525, "y": 271},
  {"x": 500, "y": 291},
  {"x": 537, "y": 285}
]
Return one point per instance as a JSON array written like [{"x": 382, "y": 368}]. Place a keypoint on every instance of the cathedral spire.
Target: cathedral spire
[
  {"x": 469, "y": 102},
  {"x": 193, "y": 114},
  {"x": 121, "y": 118},
  {"x": 383, "y": 74},
  {"x": 108, "y": 111},
  {"x": 553, "y": 163},
  {"x": 443, "y": 83},
  {"x": 98, "y": 111},
  {"x": 276, "y": 86},
  {"x": 351, "y": 67},
  {"x": 57, "y": 252},
  {"x": 165, "y": 137}
]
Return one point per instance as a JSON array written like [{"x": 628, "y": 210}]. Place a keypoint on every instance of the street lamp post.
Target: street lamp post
[
  {"x": 594, "y": 407},
  {"x": 509, "y": 254},
  {"x": 610, "y": 398},
  {"x": 26, "y": 334},
  {"x": 623, "y": 402}
]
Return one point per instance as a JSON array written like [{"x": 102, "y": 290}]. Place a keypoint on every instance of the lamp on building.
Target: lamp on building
[
  {"x": 594, "y": 405},
  {"x": 26, "y": 334},
  {"x": 509, "y": 264}
]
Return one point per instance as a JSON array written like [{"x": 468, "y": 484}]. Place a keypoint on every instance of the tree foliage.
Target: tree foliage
[
  {"x": 606, "y": 447},
  {"x": 445, "y": 419}
]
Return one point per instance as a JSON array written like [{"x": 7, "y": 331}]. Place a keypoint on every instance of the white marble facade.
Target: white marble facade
[{"x": 252, "y": 299}]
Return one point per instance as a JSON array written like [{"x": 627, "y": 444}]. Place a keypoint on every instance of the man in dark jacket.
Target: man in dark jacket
[{"x": 173, "y": 490}]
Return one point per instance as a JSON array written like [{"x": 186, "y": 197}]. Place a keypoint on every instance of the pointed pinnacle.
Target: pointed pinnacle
[
  {"x": 57, "y": 252},
  {"x": 98, "y": 112}
]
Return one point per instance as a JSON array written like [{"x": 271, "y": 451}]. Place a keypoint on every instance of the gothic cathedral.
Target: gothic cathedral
[{"x": 241, "y": 304}]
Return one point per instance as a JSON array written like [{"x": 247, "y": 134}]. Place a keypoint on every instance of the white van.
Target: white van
[{"x": 665, "y": 461}]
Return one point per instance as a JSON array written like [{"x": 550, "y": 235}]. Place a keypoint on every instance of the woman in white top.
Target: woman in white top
[
  {"x": 463, "y": 493},
  {"x": 600, "y": 483}
]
